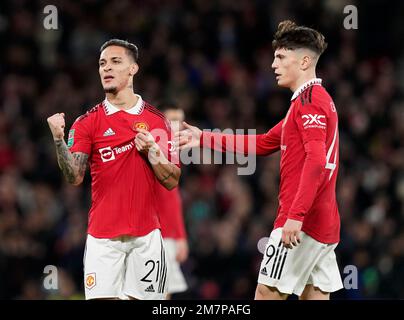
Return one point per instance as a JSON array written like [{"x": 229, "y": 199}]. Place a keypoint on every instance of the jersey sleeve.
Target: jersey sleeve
[
  {"x": 310, "y": 178},
  {"x": 79, "y": 137},
  {"x": 261, "y": 144},
  {"x": 311, "y": 120},
  {"x": 270, "y": 142}
]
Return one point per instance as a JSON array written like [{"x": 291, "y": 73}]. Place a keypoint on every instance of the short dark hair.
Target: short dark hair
[
  {"x": 131, "y": 49},
  {"x": 291, "y": 36}
]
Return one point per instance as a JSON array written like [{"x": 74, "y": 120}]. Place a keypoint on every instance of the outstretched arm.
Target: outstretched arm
[{"x": 262, "y": 144}]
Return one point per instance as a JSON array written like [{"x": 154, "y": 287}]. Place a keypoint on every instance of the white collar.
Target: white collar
[
  {"x": 304, "y": 86},
  {"x": 136, "y": 109}
]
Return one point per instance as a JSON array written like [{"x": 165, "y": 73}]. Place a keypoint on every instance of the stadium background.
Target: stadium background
[{"x": 212, "y": 59}]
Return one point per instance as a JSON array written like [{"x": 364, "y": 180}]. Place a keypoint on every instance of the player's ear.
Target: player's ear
[
  {"x": 134, "y": 68},
  {"x": 306, "y": 62}
]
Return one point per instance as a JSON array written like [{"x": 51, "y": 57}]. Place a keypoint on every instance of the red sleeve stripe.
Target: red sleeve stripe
[
  {"x": 88, "y": 112},
  {"x": 305, "y": 96},
  {"x": 155, "y": 111}
]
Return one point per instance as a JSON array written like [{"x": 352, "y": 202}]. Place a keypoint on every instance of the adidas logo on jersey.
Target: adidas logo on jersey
[
  {"x": 109, "y": 132},
  {"x": 264, "y": 271},
  {"x": 150, "y": 288}
]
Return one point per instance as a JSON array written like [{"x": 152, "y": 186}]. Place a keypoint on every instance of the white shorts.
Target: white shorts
[
  {"x": 125, "y": 267},
  {"x": 176, "y": 280},
  {"x": 290, "y": 270}
]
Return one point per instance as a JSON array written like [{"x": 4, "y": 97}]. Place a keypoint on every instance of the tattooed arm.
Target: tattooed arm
[{"x": 73, "y": 165}]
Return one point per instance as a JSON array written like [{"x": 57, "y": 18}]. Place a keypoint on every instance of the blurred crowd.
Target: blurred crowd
[{"x": 213, "y": 59}]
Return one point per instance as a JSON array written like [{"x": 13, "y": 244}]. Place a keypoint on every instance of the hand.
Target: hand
[
  {"x": 182, "y": 250},
  {"x": 57, "y": 125},
  {"x": 188, "y": 138},
  {"x": 144, "y": 142},
  {"x": 291, "y": 233}
]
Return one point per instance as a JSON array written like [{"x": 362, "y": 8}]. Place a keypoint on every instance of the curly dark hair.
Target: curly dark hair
[{"x": 291, "y": 36}]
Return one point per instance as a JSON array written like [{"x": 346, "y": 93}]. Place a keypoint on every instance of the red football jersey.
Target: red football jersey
[
  {"x": 170, "y": 213},
  {"x": 305, "y": 193},
  {"x": 123, "y": 182}
]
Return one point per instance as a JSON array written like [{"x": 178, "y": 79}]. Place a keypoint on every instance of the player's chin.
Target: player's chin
[
  {"x": 282, "y": 83},
  {"x": 110, "y": 89}
]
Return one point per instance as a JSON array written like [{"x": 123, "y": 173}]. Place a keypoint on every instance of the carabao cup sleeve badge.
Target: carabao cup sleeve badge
[{"x": 70, "y": 139}]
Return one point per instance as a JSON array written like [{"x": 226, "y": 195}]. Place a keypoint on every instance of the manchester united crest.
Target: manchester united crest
[
  {"x": 140, "y": 125},
  {"x": 90, "y": 280}
]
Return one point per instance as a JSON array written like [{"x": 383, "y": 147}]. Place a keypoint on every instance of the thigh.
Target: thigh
[
  {"x": 288, "y": 269},
  {"x": 311, "y": 292},
  {"x": 325, "y": 274},
  {"x": 264, "y": 292},
  {"x": 176, "y": 280},
  {"x": 146, "y": 272},
  {"x": 104, "y": 266}
]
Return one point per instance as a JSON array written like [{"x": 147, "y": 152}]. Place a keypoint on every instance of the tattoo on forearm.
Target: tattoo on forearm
[
  {"x": 72, "y": 165},
  {"x": 80, "y": 160},
  {"x": 168, "y": 176}
]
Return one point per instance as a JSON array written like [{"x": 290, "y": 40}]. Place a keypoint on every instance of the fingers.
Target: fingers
[
  {"x": 181, "y": 134},
  {"x": 287, "y": 243},
  {"x": 183, "y": 138},
  {"x": 144, "y": 141},
  {"x": 57, "y": 125},
  {"x": 179, "y": 256},
  {"x": 142, "y": 137},
  {"x": 290, "y": 239},
  {"x": 183, "y": 141},
  {"x": 298, "y": 237},
  {"x": 186, "y": 125},
  {"x": 145, "y": 138},
  {"x": 140, "y": 144},
  {"x": 179, "y": 143},
  {"x": 182, "y": 251},
  {"x": 285, "y": 239},
  {"x": 140, "y": 130},
  {"x": 56, "y": 116},
  {"x": 139, "y": 147},
  {"x": 293, "y": 240}
]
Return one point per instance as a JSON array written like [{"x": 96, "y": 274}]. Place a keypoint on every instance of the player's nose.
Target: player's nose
[{"x": 106, "y": 67}]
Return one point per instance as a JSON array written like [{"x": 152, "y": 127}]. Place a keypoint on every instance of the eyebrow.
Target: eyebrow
[{"x": 113, "y": 58}]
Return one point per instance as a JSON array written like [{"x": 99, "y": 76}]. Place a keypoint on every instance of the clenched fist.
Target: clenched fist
[
  {"x": 144, "y": 142},
  {"x": 57, "y": 125}
]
